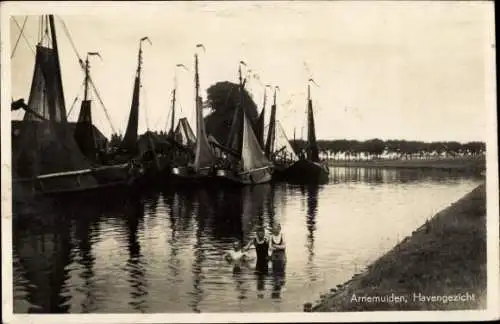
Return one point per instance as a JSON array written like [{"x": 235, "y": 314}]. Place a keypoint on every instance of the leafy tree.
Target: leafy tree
[{"x": 224, "y": 98}]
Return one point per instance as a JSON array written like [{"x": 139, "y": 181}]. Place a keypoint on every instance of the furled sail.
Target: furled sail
[
  {"x": 204, "y": 156},
  {"x": 260, "y": 128},
  {"x": 84, "y": 131},
  {"x": 271, "y": 133}
]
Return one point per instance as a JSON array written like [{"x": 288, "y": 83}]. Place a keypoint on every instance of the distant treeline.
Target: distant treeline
[
  {"x": 375, "y": 147},
  {"x": 399, "y": 148}
]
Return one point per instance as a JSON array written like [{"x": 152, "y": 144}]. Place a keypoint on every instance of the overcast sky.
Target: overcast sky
[{"x": 387, "y": 70}]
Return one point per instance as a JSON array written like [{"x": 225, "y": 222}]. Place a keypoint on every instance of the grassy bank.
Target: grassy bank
[
  {"x": 458, "y": 164},
  {"x": 445, "y": 256}
]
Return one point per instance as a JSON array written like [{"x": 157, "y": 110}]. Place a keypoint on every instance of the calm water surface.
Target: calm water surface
[{"x": 162, "y": 252}]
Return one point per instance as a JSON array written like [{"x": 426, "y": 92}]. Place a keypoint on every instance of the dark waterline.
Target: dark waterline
[{"x": 162, "y": 251}]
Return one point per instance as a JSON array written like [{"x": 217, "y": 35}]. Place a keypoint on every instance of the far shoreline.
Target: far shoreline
[{"x": 473, "y": 165}]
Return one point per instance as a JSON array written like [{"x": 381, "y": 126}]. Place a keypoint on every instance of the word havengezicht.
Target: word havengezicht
[{"x": 416, "y": 298}]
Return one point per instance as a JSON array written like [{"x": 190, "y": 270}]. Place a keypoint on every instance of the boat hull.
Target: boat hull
[
  {"x": 183, "y": 175},
  {"x": 279, "y": 171},
  {"x": 102, "y": 177},
  {"x": 252, "y": 177},
  {"x": 307, "y": 172}
]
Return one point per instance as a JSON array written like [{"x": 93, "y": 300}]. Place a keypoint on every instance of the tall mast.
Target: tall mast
[
  {"x": 58, "y": 72},
  {"x": 173, "y": 109},
  {"x": 85, "y": 95},
  {"x": 196, "y": 80}
]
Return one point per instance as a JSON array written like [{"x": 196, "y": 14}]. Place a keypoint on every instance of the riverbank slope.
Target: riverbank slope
[{"x": 445, "y": 256}]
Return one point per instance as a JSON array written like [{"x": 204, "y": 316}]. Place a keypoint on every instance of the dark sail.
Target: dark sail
[
  {"x": 130, "y": 139},
  {"x": 260, "y": 128},
  {"x": 271, "y": 133},
  {"x": 235, "y": 138},
  {"x": 84, "y": 131},
  {"x": 48, "y": 146},
  {"x": 172, "y": 117},
  {"x": 312, "y": 145},
  {"x": 46, "y": 96}
]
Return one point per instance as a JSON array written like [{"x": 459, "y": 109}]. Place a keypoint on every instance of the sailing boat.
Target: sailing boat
[
  {"x": 204, "y": 158},
  {"x": 46, "y": 158},
  {"x": 85, "y": 138},
  {"x": 308, "y": 169},
  {"x": 280, "y": 153},
  {"x": 246, "y": 163}
]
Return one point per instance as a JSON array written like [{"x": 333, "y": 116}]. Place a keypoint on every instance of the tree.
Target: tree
[{"x": 223, "y": 98}]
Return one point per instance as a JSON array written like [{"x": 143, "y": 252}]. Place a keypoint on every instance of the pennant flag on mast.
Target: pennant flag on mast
[{"x": 201, "y": 45}]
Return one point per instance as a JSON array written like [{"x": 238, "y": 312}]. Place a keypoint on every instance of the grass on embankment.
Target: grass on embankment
[
  {"x": 459, "y": 164},
  {"x": 445, "y": 256}
]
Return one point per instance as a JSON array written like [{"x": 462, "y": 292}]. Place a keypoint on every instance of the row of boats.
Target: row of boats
[{"x": 51, "y": 157}]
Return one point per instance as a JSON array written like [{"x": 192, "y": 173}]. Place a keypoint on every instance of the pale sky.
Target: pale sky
[{"x": 385, "y": 69}]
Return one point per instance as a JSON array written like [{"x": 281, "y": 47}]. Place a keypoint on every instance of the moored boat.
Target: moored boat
[
  {"x": 309, "y": 169},
  {"x": 46, "y": 158},
  {"x": 200, "y": 169},
  {"x": 277, "y": 147},
  {"x": 245, "y": 163}
]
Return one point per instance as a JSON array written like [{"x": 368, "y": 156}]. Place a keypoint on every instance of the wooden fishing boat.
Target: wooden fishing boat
[
  {"x": 200, "y": 169},
  {"x": 46, "y": 158},
  {"x": 113, "y": 172},
  {"x": 309, "y": 169},
  {"x": 277, "y": 147},
  {"x": 245, "y": 163}
]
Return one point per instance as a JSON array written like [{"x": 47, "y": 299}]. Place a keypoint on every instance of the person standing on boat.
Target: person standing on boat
[{"x": 261, "y": 244}]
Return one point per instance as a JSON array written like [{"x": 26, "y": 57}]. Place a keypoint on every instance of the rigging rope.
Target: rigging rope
[
  {"x": 76, "y": 99},
  {"x": 145, "y": 106},
  {"x": 82, "y": 65},
  {"x": 24, "y": 37}
]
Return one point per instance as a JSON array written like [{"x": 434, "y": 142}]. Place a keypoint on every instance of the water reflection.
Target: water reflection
[
  {"x": 85, "y": 229},
  {"x": 135, "y": 266},
  {"x": 312, "y": 209},
  {"x": 43, "y": 257},
  {"x": 377, "y": 176},
  {"x": 162, "y": 251}
]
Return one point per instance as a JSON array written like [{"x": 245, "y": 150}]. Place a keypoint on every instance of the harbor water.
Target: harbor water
[{"x": 162, "y": 251}]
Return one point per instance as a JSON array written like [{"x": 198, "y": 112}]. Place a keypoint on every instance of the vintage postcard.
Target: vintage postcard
[{"x": 249, "y": 161}]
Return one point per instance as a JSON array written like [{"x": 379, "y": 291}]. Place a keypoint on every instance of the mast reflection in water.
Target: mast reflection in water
[{"x": 163, "y": 251}]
